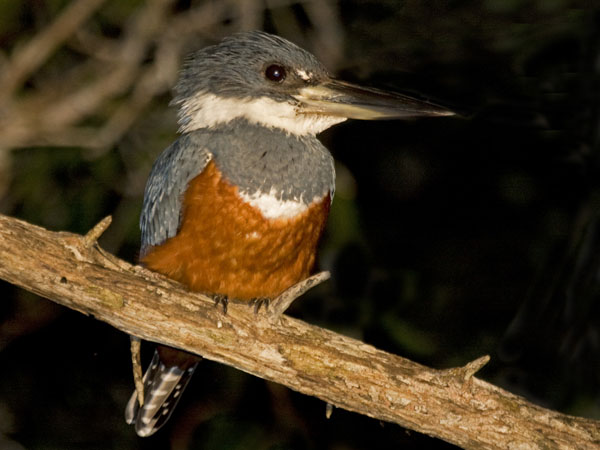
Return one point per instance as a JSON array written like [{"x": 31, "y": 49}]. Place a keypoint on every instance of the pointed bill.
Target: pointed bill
[{"x": 342, "y": 99}]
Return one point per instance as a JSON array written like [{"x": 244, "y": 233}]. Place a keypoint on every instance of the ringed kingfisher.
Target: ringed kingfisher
[{"x": 235, "y": 207}]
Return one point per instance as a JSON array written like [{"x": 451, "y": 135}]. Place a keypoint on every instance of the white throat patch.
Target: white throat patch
[
  {"x": 208, "y": 110},
  {"x": 272, "y": 207}
]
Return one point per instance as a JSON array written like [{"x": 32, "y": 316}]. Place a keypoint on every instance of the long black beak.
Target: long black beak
[{"x": 342, "y": 99}]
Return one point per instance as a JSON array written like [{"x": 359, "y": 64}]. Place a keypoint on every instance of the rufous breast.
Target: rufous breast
[{"x": 227, "y": 246}]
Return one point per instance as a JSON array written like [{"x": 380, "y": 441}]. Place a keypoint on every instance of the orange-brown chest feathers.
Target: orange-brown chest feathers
[{"x": 225, "y": 246}]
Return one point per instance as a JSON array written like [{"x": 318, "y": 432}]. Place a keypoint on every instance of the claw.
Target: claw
[
  {"x": 258, "y": 302},
  {"x": 222, "y": 300}
]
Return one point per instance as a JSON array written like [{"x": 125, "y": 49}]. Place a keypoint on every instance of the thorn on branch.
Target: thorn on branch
[
  {"x": 328, "y": 410},
  {"x": 136, "y": 362},
  {"x": 281, "y": 303},
  {"x": 474, "y": 366},
  {"x": 463, "y": 375},
  {"x": 94, "y": 234}
]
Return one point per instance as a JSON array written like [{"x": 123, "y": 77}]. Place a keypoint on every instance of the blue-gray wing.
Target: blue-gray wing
[{"x": 163, "y": 197}]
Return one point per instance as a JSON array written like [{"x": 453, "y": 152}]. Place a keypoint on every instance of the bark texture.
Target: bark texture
[{"x": 448, "y": 404}]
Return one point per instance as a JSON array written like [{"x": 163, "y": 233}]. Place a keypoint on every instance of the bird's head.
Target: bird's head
[{"x": 270, "y": 81}]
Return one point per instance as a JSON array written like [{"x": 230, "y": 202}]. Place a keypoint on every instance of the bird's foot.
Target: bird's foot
[
  {"x": 258, "y": 302},
  {"x": 222, "y": 300}
]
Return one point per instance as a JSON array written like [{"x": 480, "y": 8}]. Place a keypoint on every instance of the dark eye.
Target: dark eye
[{"x": 275, "y": 73}]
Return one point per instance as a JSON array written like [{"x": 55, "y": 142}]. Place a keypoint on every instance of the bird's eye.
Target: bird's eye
[{"x": 275, "y": 73}]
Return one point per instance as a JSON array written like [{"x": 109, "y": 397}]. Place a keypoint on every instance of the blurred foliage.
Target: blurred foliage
[{"x": 448, "y": 238}]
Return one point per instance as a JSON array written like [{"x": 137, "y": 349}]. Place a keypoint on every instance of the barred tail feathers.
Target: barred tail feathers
[{"x": 163, "y": 386}]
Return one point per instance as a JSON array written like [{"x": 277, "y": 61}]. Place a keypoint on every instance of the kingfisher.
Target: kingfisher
[{"x": 235, "y": 207}]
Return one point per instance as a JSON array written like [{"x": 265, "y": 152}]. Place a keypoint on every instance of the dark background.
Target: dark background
[{"x": 448, "y": 239}]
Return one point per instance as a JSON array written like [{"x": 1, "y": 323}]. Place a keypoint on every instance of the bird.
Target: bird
[{"x": 235, "y": 207}]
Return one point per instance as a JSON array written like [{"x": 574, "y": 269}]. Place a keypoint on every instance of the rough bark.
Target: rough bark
[{"x": 449, "y": 404}]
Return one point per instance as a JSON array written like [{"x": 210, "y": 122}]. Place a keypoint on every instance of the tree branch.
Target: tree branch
[
  {"x": 29, "y": 58},
  {"x": 449, "y": 404}
]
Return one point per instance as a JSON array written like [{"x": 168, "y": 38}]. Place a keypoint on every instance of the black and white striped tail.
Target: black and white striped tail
[{"x": 163, "y": 386}]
